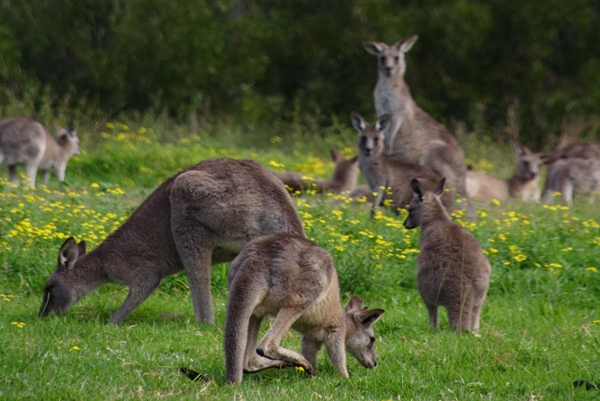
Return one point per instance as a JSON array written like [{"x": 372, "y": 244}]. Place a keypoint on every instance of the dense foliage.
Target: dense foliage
[{"x": 275, "y": 60}]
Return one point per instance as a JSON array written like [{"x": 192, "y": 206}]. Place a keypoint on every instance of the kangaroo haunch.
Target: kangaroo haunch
[
  {"x": 201, "y": 216},
  {"x": 295, "y": 281}
]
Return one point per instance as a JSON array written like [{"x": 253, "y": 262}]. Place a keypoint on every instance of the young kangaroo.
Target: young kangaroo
[
  {"x": 294, "y": 280},
  {"x": 412, "y": 134},
  {"x": 452, "y": 271},
  {"x": 523, "y": 184},
  {"x": 381, "y": 172},
  {"x": 25, "y": 141},
  {"x": 571, "y": 175},
  {"x": 203, "y": 215},
  {"x": 343, "y": 180}
]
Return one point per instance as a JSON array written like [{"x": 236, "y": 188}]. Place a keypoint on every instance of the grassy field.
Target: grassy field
[{"x": 540, "y": 324}]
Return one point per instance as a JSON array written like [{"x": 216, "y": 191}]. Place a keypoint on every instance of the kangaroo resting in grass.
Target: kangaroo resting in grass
[
  {"x": 381, "y": 172},
  {"x": 294, "y": 280},
  {"x": 412, "y": 134},
  {"x": 344, "y": 177},
  {"x": 452, "y": 271},
  {"x": 571, "y": 175},
  {"x": 522, "y": 185},
  {"x": 24, "y": 141},
  {"x": 203, "y": 215}
]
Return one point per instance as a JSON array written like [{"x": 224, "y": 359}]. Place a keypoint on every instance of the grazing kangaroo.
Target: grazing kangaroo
[
  {"x": 571, "y": 175},
  {"x": 523, "y": 184},
  {"x": 452, "y": 271},
  {"x": 578, "y": 150},
  {"x": 24, "y": 141},
  {"x": 343, "y": 180},
  {"x": 412, "y": 134},
  {"x": 381, "y": 172},
  {"x": 294, "y": 280},
  {"x": 203, "y": 215}
]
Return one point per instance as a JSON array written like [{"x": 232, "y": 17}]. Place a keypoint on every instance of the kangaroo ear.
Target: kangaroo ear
[
  {"x": 368, "y": 317},
  {"x": 358, "y": 122},
  {"x": 382, "y": 122},
  {"x": 355, "y": 304},
  {"x": 335, "y": 155},
  {"x": 68, "y": 254},
  {"x": 519, "y": 149},
  {"x": 374, "y": 48},
  {"x": 417, "y": 190},
  {"x": 548, "y": 159},
  {"x": 81, "y": 248},
  {"x": 354, "y": 160},
  {"x": 407, "y": 43},
  {"x": 439, "y": 190}
]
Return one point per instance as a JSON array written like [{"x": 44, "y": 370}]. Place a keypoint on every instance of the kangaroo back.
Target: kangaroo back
[{"x": 22, "y": 142}]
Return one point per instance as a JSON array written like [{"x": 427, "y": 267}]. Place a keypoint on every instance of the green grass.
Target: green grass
[{"x": 540, "y": 324}]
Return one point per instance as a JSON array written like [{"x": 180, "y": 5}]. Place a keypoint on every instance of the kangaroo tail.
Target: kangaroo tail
[
  {"x": 587, "y": 384},
  {"x": 193, "y": 375}
]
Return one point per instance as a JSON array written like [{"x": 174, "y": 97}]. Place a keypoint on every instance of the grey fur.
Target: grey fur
[
  {"x": 344, "y": 177},
  {"x": 572, "y": 175},
  {"x": 412, "y": 134},
  {"x": 381, "y": 172},
  {"x": 294, "y": 280},
  {"x": 203, "y": 215},
  {"x": 579, "y": 150},
  {"x": 452, "y": 271},
  {"x": 24, "y": 141},
  {"x": 524, "y": 184}
]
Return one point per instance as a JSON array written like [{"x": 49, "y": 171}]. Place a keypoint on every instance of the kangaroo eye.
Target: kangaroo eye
[
  {"x": 382, "y": 60},
  {"x": 396, "y": 59},
  {"x": 375, "y": 140}
]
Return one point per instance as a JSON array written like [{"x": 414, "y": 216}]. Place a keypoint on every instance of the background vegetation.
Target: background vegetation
[{"x": 263, "y": 62}]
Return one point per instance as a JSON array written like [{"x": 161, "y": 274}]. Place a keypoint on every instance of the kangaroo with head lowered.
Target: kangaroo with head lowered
[
  {"x": 570, "y": 176},
  {"x": 452, "y": 271},
  {"x": 412, "y": 134},
  {"x": 24, "y": 141},
  {"x": 343, "y": 180},
  {"x": 522, "y": 185},
  {"x": 203, "y": 215},
  {"x": 381, "y": 172},
  {"x": 294, "y": 280}
]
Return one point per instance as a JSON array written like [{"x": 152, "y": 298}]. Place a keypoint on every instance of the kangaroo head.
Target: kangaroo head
[
  {"x": 370, "y": 142},
  {"x": 344, "y": 168},
  {"x": 360, "y": 336},
  {"x": 425, "y": 204},
  {"x": 61, "y": 290},
  {"x": 68, "y": 140},
  {"x": 390, "y": 59},
  {"x": 529, "y": 163}
]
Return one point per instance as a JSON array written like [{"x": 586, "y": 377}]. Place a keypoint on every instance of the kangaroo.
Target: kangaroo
[
  {"x": 452, "y": 271},
  {"x": 201, "y": 216},
  {"x": 571, "y": 175},
  {"x": 381, "y": 172},
  {"x": 343, "y": 180},
  {"x": 362, "y": 191},
  {"x": 294, "y": 280},
  {"x": 523, "y": 184},
  {"x": 412, "y": 134},
  {"x": 26, "y": 141},
  {"x": 578, "y": 150}
]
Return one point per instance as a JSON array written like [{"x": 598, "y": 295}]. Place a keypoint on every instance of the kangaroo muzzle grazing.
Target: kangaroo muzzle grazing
[
  {"x": 382, "y": 173},
  {"x": 294, "y": 280},
  {"x": 344, "y": 177},
  {"x": 24, "y": 141},
  {"x": 523, "y": 185},
  {"x": 203, "y": 215},
  {"x": 452, "y": 271},
  {"x": 412, "y": 134}
]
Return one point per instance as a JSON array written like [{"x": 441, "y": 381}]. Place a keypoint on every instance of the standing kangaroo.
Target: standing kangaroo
[
  {"x": 412, "y": 134},
  {"x": 381, "y": 172},
  {"x": 343, "y": 180},
  {"x": 452, "y": 271},
  {"x": 24, "y": 141},
  {"x": 524, "y": 184},
  {"x": 569, "y": 176},
  {"x": 203, "y": 215},
  {"x": 294, "y": 280}
]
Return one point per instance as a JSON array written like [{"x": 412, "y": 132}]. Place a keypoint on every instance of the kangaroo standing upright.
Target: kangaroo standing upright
[
  {"x": 412, "y": 134},
  {"x": 294, "y": 280},
  {"x": 381, "y": 172},
  {"x": 24, "y": 141},
  {"x": 452, "y": 271},
  {"x": 203, "y": 215}
]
